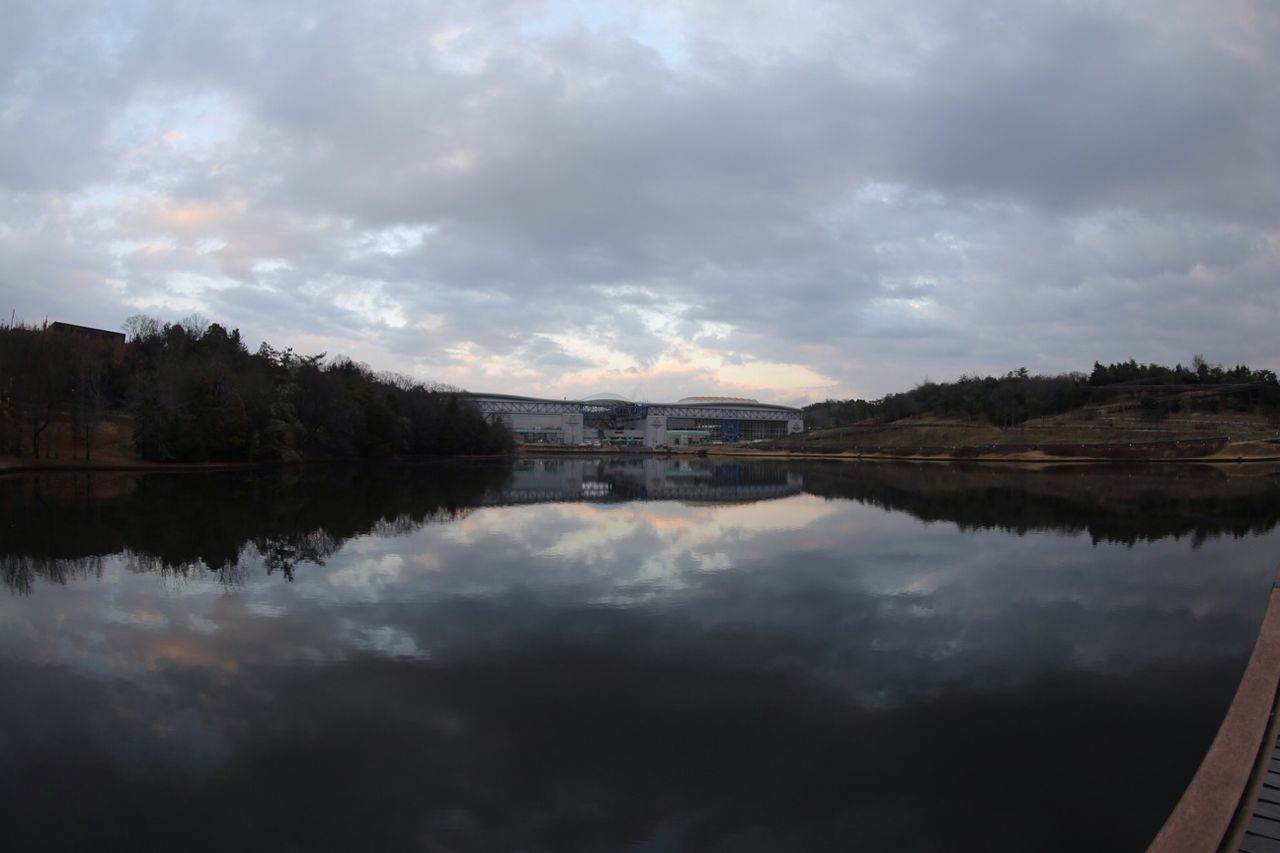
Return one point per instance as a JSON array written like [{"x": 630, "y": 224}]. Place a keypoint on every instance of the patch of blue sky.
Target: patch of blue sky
[
  {"x": 643, "y": 26},
  {"x": 185, "y": 121},
  {"x": 392, "y": 241}
]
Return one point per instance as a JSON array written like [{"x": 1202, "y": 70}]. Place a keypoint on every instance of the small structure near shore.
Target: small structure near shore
[{"x": 113, "y": 342}]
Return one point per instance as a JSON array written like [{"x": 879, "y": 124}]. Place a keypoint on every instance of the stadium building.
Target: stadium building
[{"x": 608, "y": 419}]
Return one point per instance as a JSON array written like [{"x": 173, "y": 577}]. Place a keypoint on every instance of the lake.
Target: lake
[{"x": 630, "y": 654}]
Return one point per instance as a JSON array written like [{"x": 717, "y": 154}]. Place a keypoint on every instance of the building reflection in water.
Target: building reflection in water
[
  {"x": 643, "y": 478},
  {"x": 619, "y": 654}
]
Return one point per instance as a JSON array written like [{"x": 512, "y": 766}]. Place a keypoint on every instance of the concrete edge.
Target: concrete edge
[
  {"x": 1203, "y": 817},
  {"x": 1244, "y": 813}
]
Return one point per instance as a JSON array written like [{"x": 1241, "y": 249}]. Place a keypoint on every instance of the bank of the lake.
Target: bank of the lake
[{"x": 1029, "y": 458}]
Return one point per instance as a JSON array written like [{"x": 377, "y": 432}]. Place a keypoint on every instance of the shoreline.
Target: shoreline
[
  {"x": 1019, "y": 458},
  {"x": 1029, "y": 459},
  {"x": 21, "y": 466},
  {"x": 10, "y": 465}
]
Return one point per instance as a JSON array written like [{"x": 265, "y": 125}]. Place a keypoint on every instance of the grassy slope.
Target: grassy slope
[{"x": 1094, "y": 431}]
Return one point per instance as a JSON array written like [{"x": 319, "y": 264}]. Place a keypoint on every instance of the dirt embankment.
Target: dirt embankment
[
  {"x": 112, "y": 450},
  {"x": 1093, "y": 435},
  {"x": 112, "y": 447}
]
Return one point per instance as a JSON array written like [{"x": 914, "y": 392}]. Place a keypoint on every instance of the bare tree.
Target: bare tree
[
  {"x": 140, "y": 326},
  {"x": 88, "y": 397},
  {"x": 37, "y": 381}
]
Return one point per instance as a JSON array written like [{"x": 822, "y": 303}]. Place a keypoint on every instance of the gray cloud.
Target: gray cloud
[{"x": 870, "y": 194}]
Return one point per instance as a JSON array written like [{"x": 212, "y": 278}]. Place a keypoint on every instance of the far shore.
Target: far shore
[
  {"x": 18, "y": 465},
  {"x": 1231, "y": 454},
  {"x": 1203, "y": 442}
]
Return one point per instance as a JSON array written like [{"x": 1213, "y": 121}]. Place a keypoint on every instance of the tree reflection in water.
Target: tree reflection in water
[
  {"x": 57, "y": 524},
  {"x": 628, "y": 654}
]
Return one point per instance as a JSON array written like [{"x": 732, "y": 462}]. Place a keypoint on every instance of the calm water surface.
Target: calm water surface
[{"x": 638, "y": 655}]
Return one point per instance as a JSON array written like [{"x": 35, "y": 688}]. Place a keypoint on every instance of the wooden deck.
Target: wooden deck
[
  {"x": 1233, "y": 801},
  {"x": 1262, "y": 830}
]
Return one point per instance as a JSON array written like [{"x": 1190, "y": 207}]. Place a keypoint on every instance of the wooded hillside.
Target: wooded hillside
[
  {"x": 196, "y": 393},
  {"x": 1156, "y": 390}
]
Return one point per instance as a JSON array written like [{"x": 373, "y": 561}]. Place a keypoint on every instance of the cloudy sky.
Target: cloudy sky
[{"x": 790, "y": 200}]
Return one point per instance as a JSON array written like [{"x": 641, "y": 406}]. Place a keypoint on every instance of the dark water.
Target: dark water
[{"x": 640, "y": 655}]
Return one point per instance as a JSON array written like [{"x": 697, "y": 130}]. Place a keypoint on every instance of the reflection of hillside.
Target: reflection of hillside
[
  {"x": 57, "y": 525},
  {"x": 1109, "y": 503}
]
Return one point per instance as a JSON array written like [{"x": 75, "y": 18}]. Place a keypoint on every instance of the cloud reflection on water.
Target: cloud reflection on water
[{"x": 590, "y": 675}]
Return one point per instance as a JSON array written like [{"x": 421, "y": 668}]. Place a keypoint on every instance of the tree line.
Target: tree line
[
  {"x": 196, "y": 393},
  {"x": 1019, "y": 395}
]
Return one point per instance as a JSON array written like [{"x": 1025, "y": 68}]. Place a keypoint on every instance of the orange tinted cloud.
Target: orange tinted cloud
[{"x": 194, "y": 217}]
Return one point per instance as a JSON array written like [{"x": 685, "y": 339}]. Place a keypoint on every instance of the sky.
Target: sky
[{"x": 786, "y": 200}]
